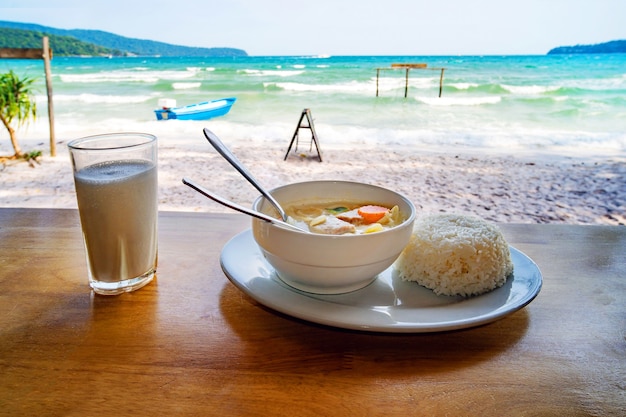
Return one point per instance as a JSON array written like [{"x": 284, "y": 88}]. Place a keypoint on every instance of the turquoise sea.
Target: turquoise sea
[{"x": 556, "y": 103}]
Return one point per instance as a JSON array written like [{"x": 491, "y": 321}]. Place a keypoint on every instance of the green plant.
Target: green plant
[
  {"x": 17, "y": 104},
  {"x": 32, "y": 157}
]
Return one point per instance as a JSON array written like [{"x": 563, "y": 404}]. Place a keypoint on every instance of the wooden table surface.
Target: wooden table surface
[{"x": 191, "y": 343}]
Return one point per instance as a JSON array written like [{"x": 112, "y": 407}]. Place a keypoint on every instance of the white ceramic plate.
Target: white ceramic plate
[{"x": 387, "y": 305}]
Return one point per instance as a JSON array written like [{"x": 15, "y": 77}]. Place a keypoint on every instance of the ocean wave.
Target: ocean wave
[
  {"x": 572, "y": 87},
  {"x": 414, "y": 82},
  {"x": 97, "y": 98},
  {"x": 185, "y": 86},
  {"x": 539, "y": 100},
  {"x": 504, "y": 138},
  {"x": 348, "y": 87},
  {"x": 462, "y": 86},
  {"x": 127, "y": 76},
  {"x": 498, "y": 103},
  {"x": 459, "y": 101},
  {"x": 361, "y": 87},
  {"x": 529, "y": 89},
  {"x": 473, "y": 88},
  {"x": 615, "y": 83},
  {"x": 276, "y": 73}
]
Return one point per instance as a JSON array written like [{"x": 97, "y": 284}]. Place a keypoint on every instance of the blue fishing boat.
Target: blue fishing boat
[{"x": 199, "y": 111}]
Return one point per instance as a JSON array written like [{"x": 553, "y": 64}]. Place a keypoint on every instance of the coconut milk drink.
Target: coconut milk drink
[{"x": 117, "y": 201}]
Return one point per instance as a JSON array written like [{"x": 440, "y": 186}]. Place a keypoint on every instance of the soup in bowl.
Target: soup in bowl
[{"x": 351, "y": 233}]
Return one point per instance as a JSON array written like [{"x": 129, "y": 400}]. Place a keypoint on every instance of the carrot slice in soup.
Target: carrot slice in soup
[{"x": 372, "y": 214}]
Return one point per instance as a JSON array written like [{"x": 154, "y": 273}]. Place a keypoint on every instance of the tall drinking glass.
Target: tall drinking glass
[{"x": 115, "y": 176}]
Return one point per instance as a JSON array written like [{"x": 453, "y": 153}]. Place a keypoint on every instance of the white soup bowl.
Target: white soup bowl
[{"x": 331, "y": 264}]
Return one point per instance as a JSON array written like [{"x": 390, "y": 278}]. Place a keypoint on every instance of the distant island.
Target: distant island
[
  {"x": 612, "y": 47},
  {"x": 83, "y": 42}
]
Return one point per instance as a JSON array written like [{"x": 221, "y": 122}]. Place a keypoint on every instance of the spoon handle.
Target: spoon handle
[
  {"x": 236, "y": 206},
  {"x": 228, "y": 155}
]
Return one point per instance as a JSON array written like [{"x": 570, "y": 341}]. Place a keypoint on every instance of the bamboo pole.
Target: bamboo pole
[{"x": 47, "y": 55}]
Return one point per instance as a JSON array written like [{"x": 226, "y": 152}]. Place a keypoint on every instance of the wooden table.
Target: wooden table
[{"x": 191, "y": 343}]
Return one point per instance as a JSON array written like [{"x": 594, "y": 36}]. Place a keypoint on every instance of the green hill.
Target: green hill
[
  {"x": 612, "y": 47},
  {"x": 60, "y": 45},
  {"x": 109, "y": 42}
]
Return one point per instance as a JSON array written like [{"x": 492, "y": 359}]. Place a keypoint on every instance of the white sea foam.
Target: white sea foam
[
  {"x": 529, "y": 89},
  {"x": 463, "y": 86},
  {"x": 505, "y": 138},
  {"x": 486, "y": 138}
]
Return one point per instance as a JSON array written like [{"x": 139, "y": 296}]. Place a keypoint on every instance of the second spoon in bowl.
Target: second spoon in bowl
[{"x": 228, "y": 155}]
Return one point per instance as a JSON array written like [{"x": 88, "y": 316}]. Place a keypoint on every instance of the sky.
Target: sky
[{"x": 342, "y": 27}]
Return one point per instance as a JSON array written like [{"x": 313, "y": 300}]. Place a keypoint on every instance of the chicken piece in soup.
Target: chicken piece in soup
[{"x": 342, "y": 218}]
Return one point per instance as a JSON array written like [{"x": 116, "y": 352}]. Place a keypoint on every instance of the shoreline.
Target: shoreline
[{"x": 498, "y": 186}]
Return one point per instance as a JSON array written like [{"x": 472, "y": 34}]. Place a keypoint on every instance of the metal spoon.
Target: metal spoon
[
  {"x": 228, "y": 155},
  {"x": 239, "y": 208}
]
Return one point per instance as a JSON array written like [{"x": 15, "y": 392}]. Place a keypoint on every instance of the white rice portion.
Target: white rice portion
[{"x": 454, "y": 254}]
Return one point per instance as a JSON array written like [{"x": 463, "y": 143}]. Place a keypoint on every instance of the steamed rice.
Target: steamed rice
[{"x": 456, "y": 255}]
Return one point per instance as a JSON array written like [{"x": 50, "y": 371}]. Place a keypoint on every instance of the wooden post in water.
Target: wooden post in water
[
  {"x": 441, "y": 81},
  {"x": 407, "y": 68},
  {"x": 406, "y": 82},
  {"x": 47, "y": 56}
]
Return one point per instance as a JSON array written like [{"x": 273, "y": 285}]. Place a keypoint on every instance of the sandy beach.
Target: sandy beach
[{"x": 499, "y": 187}]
